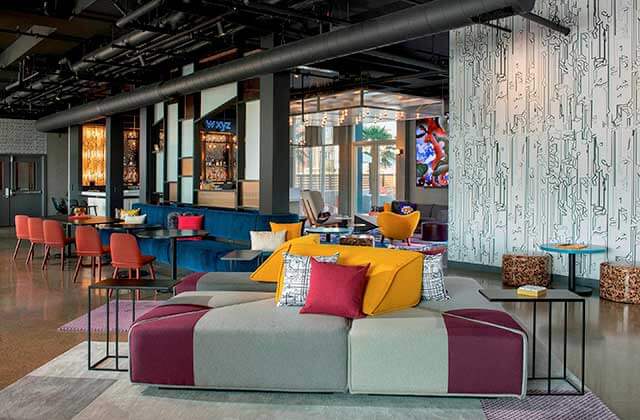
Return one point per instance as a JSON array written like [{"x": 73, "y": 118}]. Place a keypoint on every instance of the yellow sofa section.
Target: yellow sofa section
[
  {"x": 395, "y": 277},
  {"x": 269, "y": 270}
]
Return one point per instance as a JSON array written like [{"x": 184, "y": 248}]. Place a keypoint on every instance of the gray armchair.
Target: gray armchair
[{"x": 314, "y": 209}]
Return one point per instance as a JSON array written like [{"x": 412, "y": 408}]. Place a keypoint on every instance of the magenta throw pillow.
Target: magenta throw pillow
[
  {"x": 336, "y": 289},
  {"x": 190, "y": 223}
]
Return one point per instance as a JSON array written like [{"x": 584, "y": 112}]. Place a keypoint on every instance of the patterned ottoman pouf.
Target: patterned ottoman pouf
[
  {"x": 521, "y": 269},
  {"x": 620, "y": 282}
]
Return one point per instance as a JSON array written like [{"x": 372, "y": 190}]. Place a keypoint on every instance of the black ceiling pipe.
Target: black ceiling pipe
[
  {"x": 412, "y": 23},
  {"x": 138, "y": 13}
]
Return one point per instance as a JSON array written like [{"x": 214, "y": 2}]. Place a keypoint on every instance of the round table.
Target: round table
[
  {"x": 572, "y": 252},
  {"x": 328, "y": 231},
  {"x": 173, "y": 235},
  {"x": 133, "y": 227}
]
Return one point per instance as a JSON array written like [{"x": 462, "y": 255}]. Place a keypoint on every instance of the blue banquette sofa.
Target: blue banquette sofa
[{"x": 228, "y": 230}]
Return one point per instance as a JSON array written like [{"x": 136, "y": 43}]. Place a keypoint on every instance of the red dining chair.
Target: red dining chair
[
  {"x": 36, "y": 235},
  {"x": 88, "y": 244},
  {"x": 22, "y": 232},
  {"x": 125, "y": 253},
  {"x": 54, "y": 237}
]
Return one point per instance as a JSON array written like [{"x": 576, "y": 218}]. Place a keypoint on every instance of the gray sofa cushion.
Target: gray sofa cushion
[
  {"x": 259, "y": 346},
  {"x": 235, "y": 281}
]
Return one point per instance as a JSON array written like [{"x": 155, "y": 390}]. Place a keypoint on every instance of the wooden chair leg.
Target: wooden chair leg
[
  {"x": 62, "y": 259},
  {"x": 47, "y": 250},
  {"x": 30, "y": 253},
  {"x": 15, "y": 252},
  {"x": 152, "y": 271},
  {"x": 93, "y": 267},
  {"x": 75, "y": 273},
  {"x": 115, "y": 273},
  {"x": 99, "y": 268}
]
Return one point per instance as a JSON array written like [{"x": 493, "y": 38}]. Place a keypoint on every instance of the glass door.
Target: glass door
[
  {"x": 364, "y": 169},
  {"x": 375, "y": 175},
  {"x": 27, "y": 194},
  {"x": 5, "y": 191}
]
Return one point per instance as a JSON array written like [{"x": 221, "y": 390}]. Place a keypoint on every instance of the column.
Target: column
[
  {"x": 115, "y": 153},
  {"x": 274, "y": 140},
  {"x": 147, "y": 158},
  {"x": 74, "y": 167},
  {"x": 342, "y": 137}
]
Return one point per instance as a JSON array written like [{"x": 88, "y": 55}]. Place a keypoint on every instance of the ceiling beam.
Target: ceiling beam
[{"x": 23, "y": 44}]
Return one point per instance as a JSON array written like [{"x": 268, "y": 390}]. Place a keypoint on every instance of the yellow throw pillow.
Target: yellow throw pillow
[
  {"x": 294, "y": 230},
  {"x": 270, "y": 269},
  {"x": 395, "y": 276}
]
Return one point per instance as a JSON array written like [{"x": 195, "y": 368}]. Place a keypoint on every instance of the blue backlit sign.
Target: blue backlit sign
[{"x": 218, "y": 125}]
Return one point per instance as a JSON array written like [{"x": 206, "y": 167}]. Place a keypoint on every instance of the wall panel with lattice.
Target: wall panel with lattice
[
  {"x": 543, "y": 134},
  {"x": 21, "y": 137}
]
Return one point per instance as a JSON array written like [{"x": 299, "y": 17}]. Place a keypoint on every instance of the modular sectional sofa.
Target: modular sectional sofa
[
  {"x": 211, "y": 336},
  {"x": 228, "y": 230}
]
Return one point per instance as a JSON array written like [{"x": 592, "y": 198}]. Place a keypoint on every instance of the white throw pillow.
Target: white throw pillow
[
  {"x": 267, "y": 241},
  {"x": 135, "y": 220},
  {"x": 296, "y": 277},
  {"x": 433, "y": 279}
]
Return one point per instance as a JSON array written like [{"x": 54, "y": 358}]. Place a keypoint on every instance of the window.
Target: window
[
  {"x": 26, "y": 176},
  {"x": 318, "y": 168}
]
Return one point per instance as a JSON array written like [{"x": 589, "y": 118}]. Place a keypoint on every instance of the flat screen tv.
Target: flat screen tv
[{"x": 432, "y": 153}]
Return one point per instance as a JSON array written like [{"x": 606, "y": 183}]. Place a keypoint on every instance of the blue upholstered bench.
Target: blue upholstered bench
[{"x": 228, "y": 230}]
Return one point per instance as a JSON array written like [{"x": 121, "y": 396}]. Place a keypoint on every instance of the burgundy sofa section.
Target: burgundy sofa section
[
  {"x": 161, "y": 346},
  {"x": 189, "y": 283},
  {"x": 484, "y": 358}
]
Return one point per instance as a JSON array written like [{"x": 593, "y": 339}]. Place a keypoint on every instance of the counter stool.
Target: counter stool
[
  {"x": 519, "y": 269},
  {"x": 620, "y": 282}
]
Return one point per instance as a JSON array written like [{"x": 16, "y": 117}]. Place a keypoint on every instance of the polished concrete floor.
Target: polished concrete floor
[{"x": 34, "y": 303}]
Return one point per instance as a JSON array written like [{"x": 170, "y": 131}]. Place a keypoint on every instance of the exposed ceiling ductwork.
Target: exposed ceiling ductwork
[
  {"x": 415, "y": 22},
  {"x": 132, "y": 39}
]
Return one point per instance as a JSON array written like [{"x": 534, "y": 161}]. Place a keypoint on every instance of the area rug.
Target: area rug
[
  {"x": 65, "y": 389},
  {"x": 99, "y": 316}
]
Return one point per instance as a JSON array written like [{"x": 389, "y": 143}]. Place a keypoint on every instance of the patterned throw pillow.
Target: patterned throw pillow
[
  {"x": 433, "y": 279},
  {"x": 172, "y": 220},
  {"x": 297, "y": 273}
]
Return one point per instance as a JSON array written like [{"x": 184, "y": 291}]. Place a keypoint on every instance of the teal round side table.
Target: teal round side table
[{"x": 571, "y": 252}]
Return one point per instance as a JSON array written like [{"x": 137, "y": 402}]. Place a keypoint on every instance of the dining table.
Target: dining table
[
  {"x": 70, "y": 221},
  {"x": 172, "y": 235}
]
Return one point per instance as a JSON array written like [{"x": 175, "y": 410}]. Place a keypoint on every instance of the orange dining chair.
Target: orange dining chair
[
  {"x": 125, "y": 253},
  {"x": 88, "y": 244},
  {"x": 36, "y": 235},
  {"x": 54, "y": 237},
  {"x": 22, "y": 232}
]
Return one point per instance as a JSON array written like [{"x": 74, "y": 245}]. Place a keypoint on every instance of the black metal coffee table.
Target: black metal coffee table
[
  {"x": 116, "y": 285},
  {"x": 552, "y": 296}
]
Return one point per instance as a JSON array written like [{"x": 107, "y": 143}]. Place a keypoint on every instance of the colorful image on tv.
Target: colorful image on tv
[{"x": 432, "y": 153}]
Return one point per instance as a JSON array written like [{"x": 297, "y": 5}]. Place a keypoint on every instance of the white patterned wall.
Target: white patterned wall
[
  {"x": 21, "y": 137},
  {"x": 543, "y": 134}
]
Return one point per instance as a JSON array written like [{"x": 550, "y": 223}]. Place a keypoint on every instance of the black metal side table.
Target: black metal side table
[
  {"x": 116, "y": 285},
  {"x": 241, "y": 255},
  {"x": 552, "y": 296}
]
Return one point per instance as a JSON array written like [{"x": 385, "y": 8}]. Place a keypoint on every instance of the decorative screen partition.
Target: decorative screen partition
[
  {"x": 543, "y": 134},
  {"x": 94, "y": 164}
]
